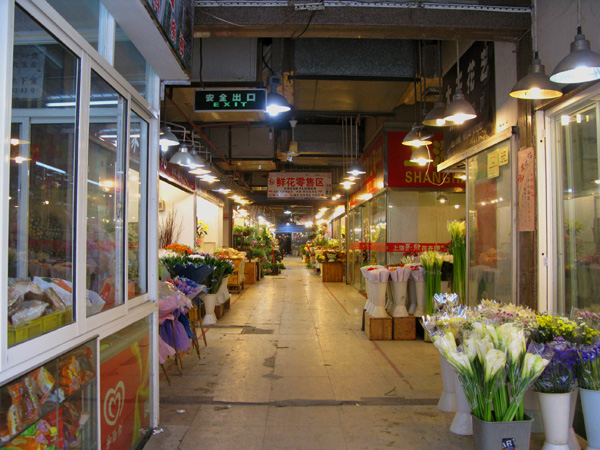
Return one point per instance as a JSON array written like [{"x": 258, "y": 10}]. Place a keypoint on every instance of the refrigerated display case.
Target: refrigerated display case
[{"x": 52, "y": 406}]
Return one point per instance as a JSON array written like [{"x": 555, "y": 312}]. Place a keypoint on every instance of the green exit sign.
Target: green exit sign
[{"x": 230, "y": 100}]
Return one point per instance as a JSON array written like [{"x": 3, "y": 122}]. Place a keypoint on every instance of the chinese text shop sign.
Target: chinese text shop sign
[
  {"x": 125, "y": 394},
  {"x": 230, "y": 100},
  {"x": 299, "y": 185},
  {"x": 403, "y": 173},
  {"x": 176, "y": 18}
]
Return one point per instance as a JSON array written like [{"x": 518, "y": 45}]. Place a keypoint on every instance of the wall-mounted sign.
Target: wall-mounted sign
[
  {"x": 299, "y": 185},
  {"x": 28, "y": 72},
  {"x": 403, "y": 173},
  {"x": 476, "y": 79},
  {"x": 176, "y": 18},
  {"x": 493, "y": 164},
  {"x": 230, "y": 100}
]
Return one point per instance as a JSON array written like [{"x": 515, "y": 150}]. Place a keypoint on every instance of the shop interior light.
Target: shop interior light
[
  {"x": 347, "y": 184},
  {"x": 581, "y": 64},
  {"x": 287, "y": 211},
  {"x": 437, "y": 116},
  {"x": 356, "y": 169},
  {"x": 421, "y": 156},
  {"x": 367, "y": 196},
  {"x": 198, "y": 161},
  {"x": 199, "y": 171},
  {"x": 21, "y": 159},
  {"x": 459, "y": 110},
  {"x": 442, "y": 198},
  {"x": 183, "y": 158},
  {"x": 456, "y": 206},
  {"x": 535, "y": 85},
  {"x": 462, "y": 176},
  {"x": 276, "y": 103},
  {"x": 417, "y": 136},
  {"x": 167, "y": 138}
]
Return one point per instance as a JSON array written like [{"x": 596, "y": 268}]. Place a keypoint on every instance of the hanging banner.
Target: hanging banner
[
  {"x": 475, "y": 77},
  {"x": 299, "y": 185},
  {"x": 176, "y": 19},
  {"x": 402, "y": 247},
  {"x": 526, "y": 180},
  {"x": 403, "y": 173}
]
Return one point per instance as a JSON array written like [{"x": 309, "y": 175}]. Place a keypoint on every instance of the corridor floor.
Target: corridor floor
[{"x": 288, "y": 367}]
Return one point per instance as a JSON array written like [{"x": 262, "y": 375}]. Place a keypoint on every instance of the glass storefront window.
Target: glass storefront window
[
  {"x": 106, "y": 201},
  {"x": 417, "y": 218},
  {"x": 578, "y": 207},
  {"x": 42, "y": 172},
  {"x": 378, "y": 230},
  {"x": 83, "y": 15},
  {"x": 137, "y": 217},
  {"x": 490, "y": 250}
]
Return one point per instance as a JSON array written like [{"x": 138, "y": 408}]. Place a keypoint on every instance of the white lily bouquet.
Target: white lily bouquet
[
  {"x": 432, "y": 263},
  {"x": 490, "y": 357},
  {"x": 457, "y": 230}
]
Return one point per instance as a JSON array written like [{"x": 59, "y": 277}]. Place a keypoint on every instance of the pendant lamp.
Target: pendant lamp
[
  {"x": 418, "y": 136},
  {"x": 182, "y": 157},
  {"x": 421, "y": 156},
  {"x": 442, "y": 198},
  {"x": 459, "y": 110},
  {"x": 356, "y": 168},
  {"x": 167, "y": 138},
  {"x": 276, "y": 103},
  {"x": 437, "y": 116},
  {"x": 579, "y": 66},
  {"x": 535, "y": 85}
]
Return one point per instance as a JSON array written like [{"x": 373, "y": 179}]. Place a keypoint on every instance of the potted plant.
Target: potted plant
[{"x": 491, "y": 356}]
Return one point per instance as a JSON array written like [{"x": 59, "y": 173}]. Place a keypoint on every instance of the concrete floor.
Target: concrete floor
[{"x": 288, "y": 367}]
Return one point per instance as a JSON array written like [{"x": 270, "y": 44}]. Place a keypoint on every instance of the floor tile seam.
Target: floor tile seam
[{"x": 320, "y": 403}]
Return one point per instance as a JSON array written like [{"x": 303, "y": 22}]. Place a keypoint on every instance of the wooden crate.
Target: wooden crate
[
  {"x": 219, "y": 311},
  {"x": 249, "y": 272},
  {"x": 332, "y": 272},
  {"x": 378, "y": 329},
  {"x": 405, "y": 328}
]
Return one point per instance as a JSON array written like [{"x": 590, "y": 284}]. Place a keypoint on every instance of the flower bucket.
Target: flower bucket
[
  {"x": 421, "y": 299},
  {"x": 210, "y": 301},
  {"x": 590, "y": 404},
  {"x": 556, "y": 413},
  {"x": 462, "y": 424},
  {"x": 447, "y": 402},
  {"x": 399, "y": 289},
  {"x": 501, "y": 435},
  {"x": 379, "y": 290}
]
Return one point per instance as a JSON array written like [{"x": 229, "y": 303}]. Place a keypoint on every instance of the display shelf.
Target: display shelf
[{"x": 53, "y": 405}]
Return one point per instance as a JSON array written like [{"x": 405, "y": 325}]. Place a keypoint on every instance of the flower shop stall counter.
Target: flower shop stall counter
[{"x": 332, "y": 272}]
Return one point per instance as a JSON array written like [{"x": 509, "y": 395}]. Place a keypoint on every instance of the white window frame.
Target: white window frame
[
  {"x": 547, "y": 177},
  {"x": 31, "y": 353}
]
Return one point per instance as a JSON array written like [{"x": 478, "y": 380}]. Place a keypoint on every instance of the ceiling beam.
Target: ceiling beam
[{"x": 366, "y": 23}]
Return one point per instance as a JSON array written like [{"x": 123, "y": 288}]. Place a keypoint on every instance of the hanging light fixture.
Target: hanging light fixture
[
  {"x": 581, "y": 64},
  {"x": 276, "y": 103},
  {"x": 437, "y": 116},
  {"x": 442, "y": 198},
  {"x": 459, "y": 110},
  {"x": 183, "y": 158},
  {"x": 421, "y": 156},
  {"x": 287, "y": 211},
  {"x": 535, "y": 85},
  {"x": 418, "y": 136},
  {"x": 356, "y": 168},
  {"x": 167, "y": 138}
]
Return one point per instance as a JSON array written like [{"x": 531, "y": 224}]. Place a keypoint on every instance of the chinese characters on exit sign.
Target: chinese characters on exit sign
[
  {"x": 230, "y": 100},
  {"x": 299, "y": 185}
]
